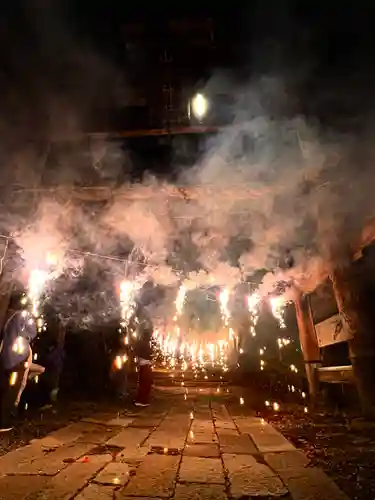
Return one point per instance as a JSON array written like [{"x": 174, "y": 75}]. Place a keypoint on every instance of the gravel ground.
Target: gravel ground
[
  {"x": 344, "y": 446},
  {"x": 37, "y": 423}
]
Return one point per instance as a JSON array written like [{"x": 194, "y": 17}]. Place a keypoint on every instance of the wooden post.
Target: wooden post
[
  {"x": 309, "y": 344},
  {"x": 352, "y": 300},
  {"x": 5, "y": 288},
  {"x": 4, "y": 302}
]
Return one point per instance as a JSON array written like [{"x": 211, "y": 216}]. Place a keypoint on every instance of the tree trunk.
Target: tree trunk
[{"x": 349, "y": 286}]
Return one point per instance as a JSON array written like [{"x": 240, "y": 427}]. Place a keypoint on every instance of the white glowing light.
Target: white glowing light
[
  {"x": 19, "y": 345},
  {"x": 224, "y": 300},
  {"x": 118, "y": 362},
  {"x": 253, "y": 301},
  {"x": 179, "y": 353},
  {"x": 180, "y": 300},
  {"x": 127, "y": 301},
  {"x": 37, "y": 281},
  {"x": 199, "y": 106},
  {"x": 13, "y": 378}
]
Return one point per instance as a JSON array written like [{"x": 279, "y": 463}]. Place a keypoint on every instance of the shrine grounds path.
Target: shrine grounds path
[{"x": 191, "y": 443}]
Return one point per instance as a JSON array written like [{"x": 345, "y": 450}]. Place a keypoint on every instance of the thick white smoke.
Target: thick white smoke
[{"x": 272, "y": 188}]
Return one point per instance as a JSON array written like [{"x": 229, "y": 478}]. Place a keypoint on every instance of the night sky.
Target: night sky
[{"x": 325, "y": 50}]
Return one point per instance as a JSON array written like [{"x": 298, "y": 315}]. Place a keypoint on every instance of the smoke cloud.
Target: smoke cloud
[{"x": 274, "y": 192}]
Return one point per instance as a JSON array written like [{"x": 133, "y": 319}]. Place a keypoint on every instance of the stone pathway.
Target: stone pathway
[{"x": 190, "y": 444}]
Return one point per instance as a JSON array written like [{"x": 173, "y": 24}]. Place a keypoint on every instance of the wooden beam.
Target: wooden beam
[
  {"x": 142, "y": 192},
  {"x": 154, "y": 132}
]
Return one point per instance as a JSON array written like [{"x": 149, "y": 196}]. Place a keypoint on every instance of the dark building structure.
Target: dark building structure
[{"x": 165, "y": 62}]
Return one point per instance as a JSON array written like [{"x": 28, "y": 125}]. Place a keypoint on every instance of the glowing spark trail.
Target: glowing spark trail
[
  {"x": 253, "y": 302},
  {"x": 278, "y": 310},
  {"x": 180, "y": 299},
  {"x": 127, "y": 301},
  {"x": 224, "y": 299}
]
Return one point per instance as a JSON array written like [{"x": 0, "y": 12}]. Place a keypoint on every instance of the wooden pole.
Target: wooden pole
[
  {"x": 309, "y": 344},
  {"x": 352, "y": 300}
]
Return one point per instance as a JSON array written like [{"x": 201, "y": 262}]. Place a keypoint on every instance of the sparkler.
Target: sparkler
[
  {"x": 253, "y": 302},
  {"x": 224, "y": 299},
  {"x": 278, "y": 310},
  {"x": 127, "y": 307},
  {"x": 180, "y": 300},
  {"x": 37, "y": 281},
  {"x": 127, "y": 301}
]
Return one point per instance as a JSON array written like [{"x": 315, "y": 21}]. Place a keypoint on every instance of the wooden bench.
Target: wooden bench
[{"x": 336, "y": 374}]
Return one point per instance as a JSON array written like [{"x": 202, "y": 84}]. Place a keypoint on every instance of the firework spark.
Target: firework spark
[
  {"x": 278, "y": 305},
  {"x": 253, "y": 301}
]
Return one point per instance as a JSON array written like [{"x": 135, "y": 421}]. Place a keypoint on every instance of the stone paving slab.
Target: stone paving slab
[
  {"x": 66, "y": 484},
  {"x": 155, "y": 477},
  {"x": 286, "y": 460},
  {"x": 120, "y": 421},
  {"x": 99, "y": 436},
  {"x": 18, "y": 487},
  {"x": 47, "y": 442},
  {"x": 164, "y": 439},
  {"x": 201, "y": 470},
  {"x": 237, "y": 445},
  {"x": 267, "y": 439},
  {"x": 310, "y": 484},
  {"x": 247, "y": 477},
  {"x": 209, "y": 450},
  {"x": 52, "y": 463},
  {"x": 101, "y": 418},
  {"x": 96, "y": 492},
  {"x": 202, "y": 432},
  {"x": 132, "y": 456},
  {"x": 246, "y": 424},
  {"x": 128, "y": 438},
  {"x": 146, "y": 422},
  {"x": 72, "y": 432},
  {"x": 199, "y": 492},
  {"x": 115, "y": 473},
  {"x": 20, "y": 456}
]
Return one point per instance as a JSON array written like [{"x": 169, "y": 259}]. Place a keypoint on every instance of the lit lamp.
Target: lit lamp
[{"x": 199, "y": 106}]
